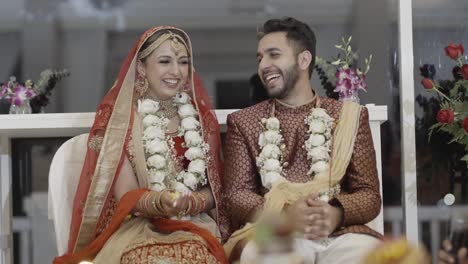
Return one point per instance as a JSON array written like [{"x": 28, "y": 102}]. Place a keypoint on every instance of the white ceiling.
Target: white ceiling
[{"x": 138, "y": 14}]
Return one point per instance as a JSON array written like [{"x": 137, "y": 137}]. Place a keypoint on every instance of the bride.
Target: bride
[{"x": 149, "y": 187}]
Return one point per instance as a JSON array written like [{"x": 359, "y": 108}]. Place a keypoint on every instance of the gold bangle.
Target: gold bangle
[{"x": 159, "y": 203}]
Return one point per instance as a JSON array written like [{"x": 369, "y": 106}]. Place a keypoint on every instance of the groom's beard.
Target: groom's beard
[{"x": 290, "y": 78}]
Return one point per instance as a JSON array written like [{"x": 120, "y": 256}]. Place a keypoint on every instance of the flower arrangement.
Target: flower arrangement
[
  {"x": 451, "y": 98},
  {"x": 36, "y": 94},
  {"x": 16, "y": 93},
  {"x": 341, "y": 78}
]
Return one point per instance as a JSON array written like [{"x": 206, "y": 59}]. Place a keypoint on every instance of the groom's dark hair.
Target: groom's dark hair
[{"x": 298, "y": 33}]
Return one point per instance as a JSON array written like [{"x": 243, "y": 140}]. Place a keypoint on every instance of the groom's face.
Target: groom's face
[{"x": 277, "y": 64}]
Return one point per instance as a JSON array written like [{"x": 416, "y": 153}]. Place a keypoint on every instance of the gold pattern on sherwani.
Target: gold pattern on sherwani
[{"x": 243, "y": 192}]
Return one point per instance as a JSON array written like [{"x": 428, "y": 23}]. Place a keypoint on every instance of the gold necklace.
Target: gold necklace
[{"x": 167, "y": 108}]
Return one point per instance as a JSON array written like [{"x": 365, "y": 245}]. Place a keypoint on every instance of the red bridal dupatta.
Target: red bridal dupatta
[{"x": 95, "y": 218}]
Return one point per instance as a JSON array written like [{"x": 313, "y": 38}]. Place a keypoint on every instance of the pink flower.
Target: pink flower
[
  {"x": 17, "y": 101},
  {"x": 349, "y": 82},
  {"x": 454, "y": 51},
  {"x": 427, "y": 83},
  {"x": 22, "y": 94},
  {"x": 464, "y": 71},
  {"x": 445, "y": 116},
  {"x": 465, "y": 124}
]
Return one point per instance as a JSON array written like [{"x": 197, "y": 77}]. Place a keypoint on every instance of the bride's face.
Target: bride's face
[{"x": 166, "y": 70}]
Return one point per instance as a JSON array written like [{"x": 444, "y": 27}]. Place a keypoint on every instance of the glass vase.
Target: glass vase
[
  {"x": 352, "y": 98},
  {"x": 24, "y": 108}
]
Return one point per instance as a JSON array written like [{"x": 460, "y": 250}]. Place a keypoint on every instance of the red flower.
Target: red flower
[
  {"x": 427, "y": 83},
  {"x": 465, "y": 124},
  {"x": 445, "y": 116},
  {"x": 464, "y": 71},
  {"x": 454, "y": 51}
]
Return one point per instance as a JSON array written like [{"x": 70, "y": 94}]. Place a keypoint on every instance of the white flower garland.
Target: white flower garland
[
  {"x": 269, "y": 161},
  {"x": 319, "y": 142},
  {"x": 159, "y": 147}
]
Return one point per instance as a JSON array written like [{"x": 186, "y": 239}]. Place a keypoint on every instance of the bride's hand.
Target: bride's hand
[
  {"x": 168, "y": 201},
  {"x": 182, "y": 204}
]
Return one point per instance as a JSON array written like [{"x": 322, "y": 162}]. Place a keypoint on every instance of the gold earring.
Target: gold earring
[{"x": 141, "y": 86}]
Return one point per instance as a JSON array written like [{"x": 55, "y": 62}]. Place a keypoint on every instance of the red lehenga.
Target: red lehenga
[{"x": 97, "y": 220}]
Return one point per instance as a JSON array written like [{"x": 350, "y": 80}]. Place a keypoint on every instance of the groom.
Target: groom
[{"x": 286, "y": 56}]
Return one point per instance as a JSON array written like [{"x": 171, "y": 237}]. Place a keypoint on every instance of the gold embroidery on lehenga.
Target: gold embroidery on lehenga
[{"x": 171, "y": 250}]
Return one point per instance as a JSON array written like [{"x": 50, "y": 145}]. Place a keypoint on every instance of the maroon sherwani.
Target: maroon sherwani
[{"x": 243, "y": 190}]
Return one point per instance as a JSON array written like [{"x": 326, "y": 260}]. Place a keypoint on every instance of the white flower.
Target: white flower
[
  {"x": 190, "y": 180},
  {"x": 197, "y": 166},
  {"x": 273, "y": 137},
  {"x": 157, "y": 146},
  {"x": 151, "y": 120},
  {"x": 269, "y": 178},
  {"x": 320, "y": 113},
  {"x": 319, "y": 166},
  {"x": 316, "y": 140},
  {"x": 180, "y": 187},
  {"x": 261, "y": 140},
  {"x": 158, "y": 186},
  {"x": 148, "y": 106},
  {"x": 270, "y": 151},
  {"x": 187, "y": 110},
  {"x": 272, "y": 165},
  {"x": 192, "y": 138},
  {"x": 272, "y": 123},
  {"x": 182, "y": 98},
  {"x": 319, "y": 153},
  {"x": 324, "y": 198},
  {"x": 189, "y": 123},
  {"x": 157, "y": 176},
  {"x": 316, "y": 126},
  {"x": 154, "y": 132},
  {"x": 156, "y": 161},
  {"x": 194, "y": 153}
]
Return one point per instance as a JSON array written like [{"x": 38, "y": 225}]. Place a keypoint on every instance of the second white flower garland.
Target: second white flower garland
[{"x": 270, "y": 159}]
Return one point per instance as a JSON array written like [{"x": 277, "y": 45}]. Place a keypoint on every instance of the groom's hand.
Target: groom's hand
[
  {"x": 322, "y": 220},
  {"x": 299, "y": 212}
]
